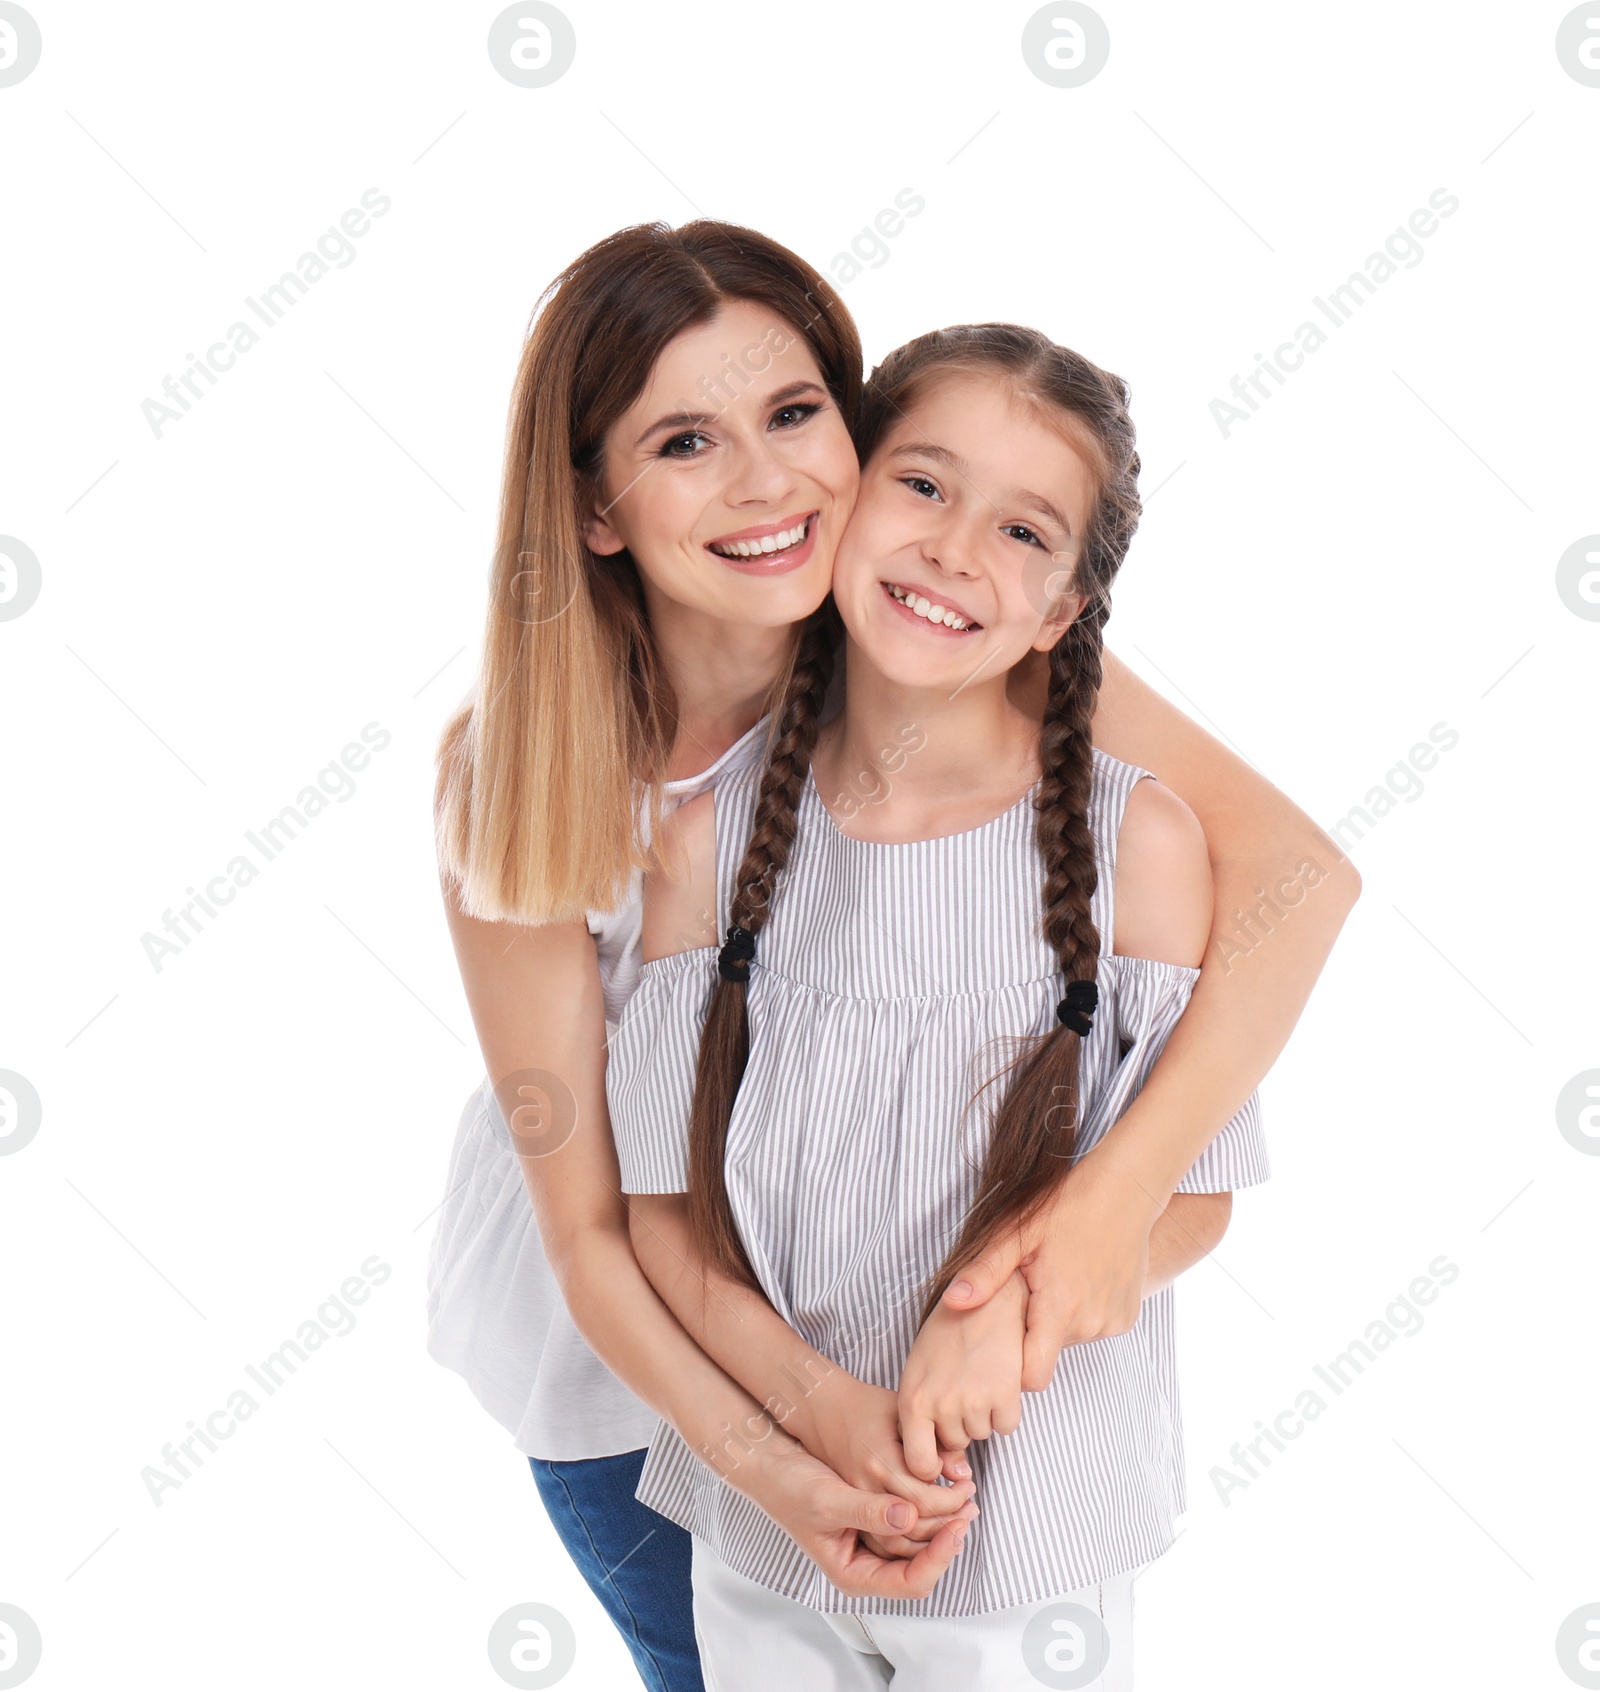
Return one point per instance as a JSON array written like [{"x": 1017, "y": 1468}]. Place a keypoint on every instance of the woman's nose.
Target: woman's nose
[{"x": 760, "y": 474}]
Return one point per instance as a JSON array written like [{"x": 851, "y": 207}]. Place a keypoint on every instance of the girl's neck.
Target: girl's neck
[
  {"x": 720, "y": 673},
  {"x": 906, "y": 763}
]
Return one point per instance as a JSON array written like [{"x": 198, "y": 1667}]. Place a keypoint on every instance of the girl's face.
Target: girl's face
[
  {"x": 730, "y": 478},
  {"x": 970, "y": 518}
]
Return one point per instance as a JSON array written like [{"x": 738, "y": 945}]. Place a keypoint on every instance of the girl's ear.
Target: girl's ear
[{"x": 1064, "y": 613}]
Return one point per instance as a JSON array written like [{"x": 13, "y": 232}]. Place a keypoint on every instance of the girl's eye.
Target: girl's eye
[
  {"x": 921, "y": 485},
  {"x": 1021, "y": 531},
  {"x": 682, "y": 446},
  {"x": 791, "y": 416}
]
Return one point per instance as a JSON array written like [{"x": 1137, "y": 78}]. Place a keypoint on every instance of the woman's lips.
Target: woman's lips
[{"x": 778, "y": 561}]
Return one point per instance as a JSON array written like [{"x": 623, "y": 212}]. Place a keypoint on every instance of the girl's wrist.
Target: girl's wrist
[
  {"x": 742, "y": 1452},
  {"x": 769, "y": 1480},
  {"x": 817, "y": 1406}
]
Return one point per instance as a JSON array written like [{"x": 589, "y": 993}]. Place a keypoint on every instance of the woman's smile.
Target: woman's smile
[{"x": 771, "y": 549}]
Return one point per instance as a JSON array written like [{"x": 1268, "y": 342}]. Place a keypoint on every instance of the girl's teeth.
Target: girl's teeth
[{"x": 926, "y": 609}]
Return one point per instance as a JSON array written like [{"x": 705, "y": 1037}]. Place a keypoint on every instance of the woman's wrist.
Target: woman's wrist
[{"x": 1110, "y": 1175}]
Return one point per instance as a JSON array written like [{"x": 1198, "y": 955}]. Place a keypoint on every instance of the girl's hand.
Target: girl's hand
[
  {"x": 835, "y": 1524},
  {"x": 963, "y": 1380},
  {"x": 1085, "y": 1258},
  {"x": 855, "y": 1429}
]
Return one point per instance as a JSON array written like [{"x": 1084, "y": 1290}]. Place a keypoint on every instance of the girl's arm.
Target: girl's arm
[
  {"x": 847, "y": 1424},
  {"x": 839, "y": 1419},
  {"x": 1257, "y": 968},
  {"x": 537, "y": 1007}
]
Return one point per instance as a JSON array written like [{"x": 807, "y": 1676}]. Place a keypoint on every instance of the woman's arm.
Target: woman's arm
[
  {"x": 1259, "y": 965},
  {"x": 537, "y": 1007},
  {"x": 1258, "y": 962},
  {"x": 1281, "y": 892}
]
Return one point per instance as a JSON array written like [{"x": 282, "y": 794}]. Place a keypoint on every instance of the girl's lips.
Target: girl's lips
[
  {"x": 771, "y": 563},
  {"x": 900, "y": 609}
]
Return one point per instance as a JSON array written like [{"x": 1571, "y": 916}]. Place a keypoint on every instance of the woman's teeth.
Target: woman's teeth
[
  {"x": 926, "y": 608},
  {"x": 768, "y": 543}
]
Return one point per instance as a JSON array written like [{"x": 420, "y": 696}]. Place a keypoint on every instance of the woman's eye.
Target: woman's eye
[
  {"x": 921, "y": 485},
  {"x": 1021, "y": 531},
  {"x": 682, "y": 446},
  {"x": 789, "y": 416}
]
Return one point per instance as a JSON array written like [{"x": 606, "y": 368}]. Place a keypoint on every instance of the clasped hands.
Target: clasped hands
[{"x": 1076, "y": 1272}]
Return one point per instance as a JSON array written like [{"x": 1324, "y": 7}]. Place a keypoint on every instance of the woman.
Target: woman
[{"x": 678, "y": 473}]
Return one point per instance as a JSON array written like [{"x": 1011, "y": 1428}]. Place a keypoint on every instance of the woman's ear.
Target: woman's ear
[{"x": 598, "y": 534}]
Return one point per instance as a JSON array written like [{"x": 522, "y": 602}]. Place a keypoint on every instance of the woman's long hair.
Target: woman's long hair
[
  {"x": 1032, "y": 1140},
  {"x": 536, "y": 802}
]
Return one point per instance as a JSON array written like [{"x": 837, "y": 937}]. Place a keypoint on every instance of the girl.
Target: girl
[
  {"x": 901, "y": 1058},
  {"x": 681, "y": 392}
]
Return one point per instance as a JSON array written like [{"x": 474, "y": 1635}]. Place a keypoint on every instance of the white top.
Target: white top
[
  {"x": 495, "y": 1311},
  {"x": 890, "y": 983}
]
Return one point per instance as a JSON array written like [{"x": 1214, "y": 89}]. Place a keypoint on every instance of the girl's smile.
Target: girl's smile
[
  {"x": 951, "y": 561},
  {"x": 930, "y": 608}
]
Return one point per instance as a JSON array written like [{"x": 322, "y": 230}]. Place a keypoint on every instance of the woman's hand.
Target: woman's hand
[
  {"x": 1085, "y": 1258},
  {"x": 854, "y": 1429},
  {"x": 963, "y": 1379},
  {"x": 837, "y": 1524}
]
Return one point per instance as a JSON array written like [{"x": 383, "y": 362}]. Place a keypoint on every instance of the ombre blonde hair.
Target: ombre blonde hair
[{"x": 540, "y": 775}]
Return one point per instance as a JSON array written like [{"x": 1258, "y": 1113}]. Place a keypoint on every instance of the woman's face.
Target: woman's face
[
  {"x": 730, "y": 478},
  {"x": 970, "y": 518}
]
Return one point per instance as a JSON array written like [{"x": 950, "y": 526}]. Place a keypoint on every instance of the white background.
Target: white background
[{"x": 225, "y": 1140}]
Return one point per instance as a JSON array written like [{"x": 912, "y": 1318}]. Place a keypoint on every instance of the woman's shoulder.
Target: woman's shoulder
[
  {"x": 1163, "y": 888},
  {"x": 680, "y": 891}
]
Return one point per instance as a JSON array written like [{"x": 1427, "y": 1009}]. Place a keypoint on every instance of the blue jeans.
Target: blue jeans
[{"x": 636, "y": 1562}]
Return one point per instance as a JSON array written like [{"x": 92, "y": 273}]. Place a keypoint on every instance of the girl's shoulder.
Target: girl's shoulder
[{"x": 1161, "y": 870}]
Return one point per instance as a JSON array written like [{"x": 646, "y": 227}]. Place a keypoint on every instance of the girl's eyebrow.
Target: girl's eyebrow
[
  {"x": 1018, "y": 496},
  {"x": 697, "y": 419},
  {"x": 1040, "y": 504}
]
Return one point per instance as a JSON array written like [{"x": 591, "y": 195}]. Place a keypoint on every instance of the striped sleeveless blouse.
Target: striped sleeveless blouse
[{"x": 891, "y": 982}]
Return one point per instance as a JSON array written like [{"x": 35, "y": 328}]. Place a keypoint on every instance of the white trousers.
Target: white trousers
[{"x": 752, "y": 1638}]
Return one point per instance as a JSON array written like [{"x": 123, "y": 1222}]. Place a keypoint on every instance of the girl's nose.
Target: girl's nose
[{"x": 953, "y": 546}]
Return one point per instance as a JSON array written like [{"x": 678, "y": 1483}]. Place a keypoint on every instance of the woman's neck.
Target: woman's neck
[
  {"x": 721, "y": 674},
  {"x": 910, "y": 763}
]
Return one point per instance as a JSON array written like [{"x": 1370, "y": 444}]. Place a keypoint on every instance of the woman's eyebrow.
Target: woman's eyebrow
[
  {"x": 1016, "y": 496},
  {"x": 677, "y": 420},
  {"x": 698, "y": 419}
]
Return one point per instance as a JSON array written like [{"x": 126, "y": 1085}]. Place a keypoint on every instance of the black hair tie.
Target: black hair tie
[
  {"x": 733, "y": 961},
  {"x": 1078, "y": 1008}
]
